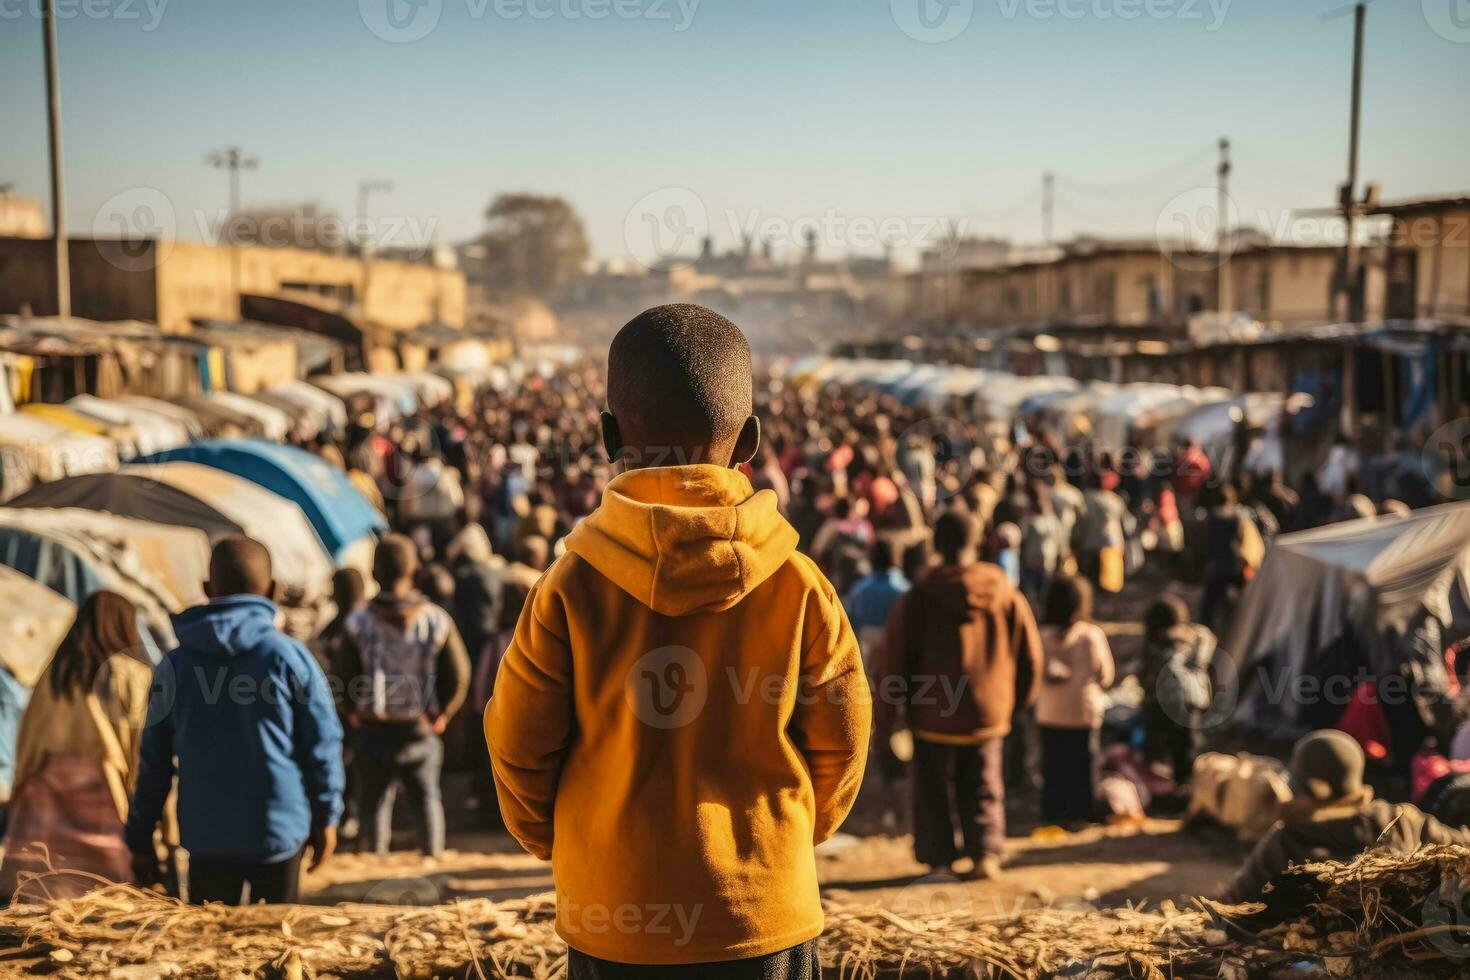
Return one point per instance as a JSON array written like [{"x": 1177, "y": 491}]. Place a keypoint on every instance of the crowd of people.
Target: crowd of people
[{"x": 965, "y": 556}]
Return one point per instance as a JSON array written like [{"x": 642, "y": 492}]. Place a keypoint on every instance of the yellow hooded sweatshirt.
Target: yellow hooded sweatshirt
[{"x": 681, "y": 717}]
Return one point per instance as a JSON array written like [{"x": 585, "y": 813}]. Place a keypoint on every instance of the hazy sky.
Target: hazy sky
[{"x": 851, "y": 114}]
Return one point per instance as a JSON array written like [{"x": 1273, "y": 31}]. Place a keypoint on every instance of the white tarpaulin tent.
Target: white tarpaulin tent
[
  {"x": 1356, "y": 581},
  {"x": 152, "y": 433},
  {"x": 33, "y": 620},
  {"x": 33, "y": 449}
]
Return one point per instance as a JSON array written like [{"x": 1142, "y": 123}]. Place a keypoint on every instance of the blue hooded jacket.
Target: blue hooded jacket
[{"x": 247, "y": 712}]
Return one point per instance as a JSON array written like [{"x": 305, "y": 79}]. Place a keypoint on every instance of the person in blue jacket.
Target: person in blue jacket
[{"x": 247, "y": 714}]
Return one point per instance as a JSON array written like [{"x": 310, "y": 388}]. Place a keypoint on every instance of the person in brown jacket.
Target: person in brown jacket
[{"x": 961, "y": 652}]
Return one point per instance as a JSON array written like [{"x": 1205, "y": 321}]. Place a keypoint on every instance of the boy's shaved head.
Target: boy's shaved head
[
  {"x": 679, "y": 385},
  {"x": 240, "y": 566}
]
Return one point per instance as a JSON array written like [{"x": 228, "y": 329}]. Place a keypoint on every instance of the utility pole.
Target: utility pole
[
  {"x": 364, "y": 189},
  {"x": 367, "y": 243},
  {"x": 1048, "y": 205},
  {"x": 234, "y": 160},
  {"x": 58, "y": 199},
  {"x": 1225, "y": 302},
  {"x": 1351, "y": 275}
]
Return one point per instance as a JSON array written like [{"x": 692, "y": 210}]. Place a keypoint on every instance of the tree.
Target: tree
[{"x": 532, "y": 245}]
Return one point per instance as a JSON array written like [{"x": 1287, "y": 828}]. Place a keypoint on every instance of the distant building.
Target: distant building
[
  {"x": 174, "y": 284},
  {"x": 1428, "y": 265},
  {"x": 21, "y": 217}
]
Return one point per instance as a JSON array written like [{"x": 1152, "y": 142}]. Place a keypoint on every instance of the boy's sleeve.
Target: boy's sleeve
[
  {"x": 529, "y": 721},
  {"x": 155, "y": 762},
  {"x": 318, "y": 748},
  {"x": 834, "y": 714}
]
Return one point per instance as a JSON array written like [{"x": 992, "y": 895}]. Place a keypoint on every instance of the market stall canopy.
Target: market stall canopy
[
  {"x": 273, "y": 423},
  {"x": 301, "y": 565},
  {"x": 1213, "y": 425},
  {"x": 152, "y": 432},
  {"x": 317, "y": 400},
  {"x": 33, "y": 620},
  {"x": 138, "y": 493},
  {"x": 157, "y": 406},
  {"x": 398, "y": 395},
  {"x": 74, "y": 560},
  {"x": 1353, "y": 582},
  {"x": 33, "y": 448},
  {"x": 339, "y": 514},
  {"x": 218, "y": 419}
]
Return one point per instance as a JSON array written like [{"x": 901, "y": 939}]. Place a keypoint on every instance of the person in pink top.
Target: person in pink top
[{"x": 1077, "y": 670}]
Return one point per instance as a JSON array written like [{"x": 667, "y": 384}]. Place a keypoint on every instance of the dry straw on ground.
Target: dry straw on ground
[{"x": 1379, "y": 916}]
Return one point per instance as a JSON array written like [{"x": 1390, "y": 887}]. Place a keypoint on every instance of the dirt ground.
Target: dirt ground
[
  {"x": 1101, "y": 866},
  {"x": 873, "y": 861}
]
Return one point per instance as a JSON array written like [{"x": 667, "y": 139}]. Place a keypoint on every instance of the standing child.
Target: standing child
[
  {"x": 242, "y": 713},
  {"x": 961, "y": 655},
  {"x": 682, "y": 714},
  {"x": 1077, "y": 672}
]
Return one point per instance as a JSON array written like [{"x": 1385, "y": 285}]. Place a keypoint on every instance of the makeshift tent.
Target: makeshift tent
[
  {"x": 33, "y": 448},
  {"x": 302, "y": 567},
  {"x": 168, "y": 561},
  {"x": 75, "y": 560},
  {"x": 431, "y": 389},
  {"x": 168, "y": 410},
  {"x": 1143, "y": 408},
  {"x": 33, "y": 619},
  {"x": 152, "y": 433},
  {"x": 312, "y": 398},
  {"x": 394, "y": 397},
  {"x": 273, "y": 423},
  {"x": 1330, "y": 601},
  {"x": 339, "y": 514},
  {"x": 138, "y": 493},
  {"x": 220, "y": 420}
]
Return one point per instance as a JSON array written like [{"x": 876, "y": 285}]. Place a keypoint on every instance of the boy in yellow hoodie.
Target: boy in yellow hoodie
[{"x": 683, "y": 714}]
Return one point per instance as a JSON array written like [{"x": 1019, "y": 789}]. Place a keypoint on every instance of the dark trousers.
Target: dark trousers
[
  {"x": 964, "y": 783},
  {"x": 1217, "y": 604},
  {"x": 215, "y": 880},
  {"x": 1171, "y": 741},
  {"x": 798, "y": 963},
  {"x": 389, "y": 756},
  {"x": 1068, "y": 779}
]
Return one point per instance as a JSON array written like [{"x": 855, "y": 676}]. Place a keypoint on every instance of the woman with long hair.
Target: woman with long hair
[
  {"x": 1076, "y": 671},
  {"x": 77, "y": 755}
]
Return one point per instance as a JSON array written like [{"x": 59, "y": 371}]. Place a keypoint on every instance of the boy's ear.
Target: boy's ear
[
  {"x": 747, "y": 442},
  {"x": 612, "y": 437}
]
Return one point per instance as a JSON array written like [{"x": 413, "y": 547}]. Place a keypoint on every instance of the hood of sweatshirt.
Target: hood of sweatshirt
[
  {"x": 685, "y": 539},
  {"x": 967, "y": 589},
  {"x": 226, "y": 626}
]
